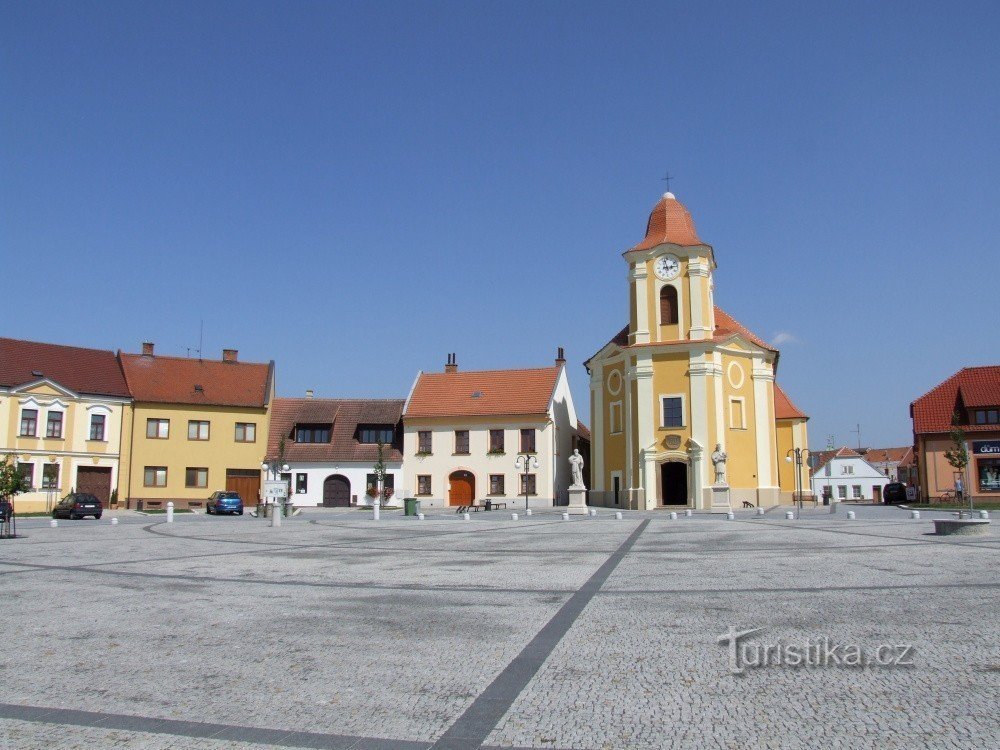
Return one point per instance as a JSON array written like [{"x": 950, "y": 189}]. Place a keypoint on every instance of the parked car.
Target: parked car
[
  {"x": 77, "y": 505},
  {"x": 224, "y": 502},
  {"x": 893, "y": 493}
]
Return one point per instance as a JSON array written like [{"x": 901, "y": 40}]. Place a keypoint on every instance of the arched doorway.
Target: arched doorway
[
  {"x": 461, "y": 488},
  {"x": 336, "y": 491},
  {"x": 674, "y": 483}
]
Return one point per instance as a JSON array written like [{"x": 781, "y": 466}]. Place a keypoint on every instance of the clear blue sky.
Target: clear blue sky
[{"x": 356, "y": 189}]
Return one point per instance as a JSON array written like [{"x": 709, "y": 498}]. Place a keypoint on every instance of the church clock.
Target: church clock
[{"x": 667, "y": 267}]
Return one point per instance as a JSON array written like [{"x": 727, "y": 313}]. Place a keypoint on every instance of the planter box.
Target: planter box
[{"x": 966, "y": 526}]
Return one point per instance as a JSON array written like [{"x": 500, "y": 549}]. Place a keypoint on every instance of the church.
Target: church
[{"x": 685, "y": 409}]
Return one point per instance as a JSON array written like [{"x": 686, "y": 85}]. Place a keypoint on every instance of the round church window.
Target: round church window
[
  {"x": 735, "y": 374},
  {"x": 614, "y": 383}
]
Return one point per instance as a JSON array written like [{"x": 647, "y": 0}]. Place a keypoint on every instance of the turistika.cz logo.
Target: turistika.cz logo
[{"x": 745, "y": 654}]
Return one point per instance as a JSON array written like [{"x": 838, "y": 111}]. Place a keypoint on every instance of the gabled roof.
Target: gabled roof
[
  {"x": 783, "y": 406},
  {"x": 902, "y": 456},
  {"x": 344, "y": 416},
  {"x": 669, "y": 222},
  {"x": 824, "y": 457},
  {"x": 86, "y": 371},
  {"x": 173, "y": 380},
  {"x": 975, "y": 386},
  {"x": 454, "y": 394}
]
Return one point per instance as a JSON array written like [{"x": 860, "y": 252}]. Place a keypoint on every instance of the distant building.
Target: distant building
[
  {"x": 969, "y": 400},
  {"x": 845, "y": 476},
  {"x": 331, "y": 447},
  {"x": 896, "y": 463}
]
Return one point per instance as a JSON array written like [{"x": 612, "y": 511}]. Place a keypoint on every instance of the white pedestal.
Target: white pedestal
[
  {"x": 577, "y": 501},
  {"x": 720, "y": 496}
]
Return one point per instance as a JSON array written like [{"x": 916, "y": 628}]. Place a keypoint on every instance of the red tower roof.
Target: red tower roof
[{"x": 669, "y": 222}]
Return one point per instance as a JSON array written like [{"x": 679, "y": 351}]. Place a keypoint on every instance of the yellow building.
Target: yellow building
[
  {"x": 684, "y": 408},
  {"x": 196, "y": 426},
  {"x": 62, "y": 410}
]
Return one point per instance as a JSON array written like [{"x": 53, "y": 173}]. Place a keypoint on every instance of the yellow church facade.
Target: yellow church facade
[{"x": 685, "y": 409}]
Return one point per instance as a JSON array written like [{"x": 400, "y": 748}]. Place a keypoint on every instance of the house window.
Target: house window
[
  {"x": 196, "y": 477},
  {"x": 97, "y": 426},
  {"x": 668, "y": 306},
  {"x": 53, "y": 425},
  {"x": 50, "y": 477},
  {"x": 496, "y": 484},
  {"x": 987, "y": 416},
  {"x": 842, "y": 491},
  {"x": 528, "y": 484},
  {"x": 462, "y": 442},
  {"x": 424, "y": 442},
  {"x": 301, "y": 483},
  {"x": 157, "y": 429},
  {"x": 424, "y": 484},
  {"x": 528, "y": 440},
  {"x": 616, "y": 481},
  {"x": 673, "y": 411},
  {"x": 615, "y": 416},
  {"x": 737, "y": 414},
  {"x": 388, "y": 479},
  {"x": 29, "y": 423},
  {"x": 857, "y": 491},
  {"x": 286, "y": 477},
  {"x": 312, "y": 433},
  {"x": 848, "y": 469},
  {"x": 372, "y": 434},
  {"x": 197, "y": 430},
  {"x": 155, "y": 476},
  {"x": 496, "y": 441},
  {"x": 27, "y": 472},
  {"x": 246, "y": 432},
  {"x": 988, "y": 471}
]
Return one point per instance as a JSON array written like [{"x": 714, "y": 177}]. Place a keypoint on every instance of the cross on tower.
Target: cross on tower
[{"x": 667, "y": 179}]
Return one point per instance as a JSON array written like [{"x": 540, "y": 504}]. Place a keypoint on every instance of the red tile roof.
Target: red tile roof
[
  {"x": 582, "y": 430},
  {"x": 90, "y": 371},
  {"x": 172, "y": 380},
  {"x": 933, "y": 411},
  {"x": 512, "y": 392},
  {"x": 783, "y": 406},
  {"x": 902, "y": 456},
  {"x": 344, "y": 415},
  {"x": 824, "y": 457},
  {"x": 669, "y": 222}
]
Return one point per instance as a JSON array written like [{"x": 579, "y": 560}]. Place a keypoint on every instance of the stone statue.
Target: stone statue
[
  {"x": 576, "y": 464},
  {"x": 719, "y": 460}
]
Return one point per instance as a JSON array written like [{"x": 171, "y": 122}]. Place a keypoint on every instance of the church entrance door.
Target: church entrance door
[{"x": 674, "y": 483}]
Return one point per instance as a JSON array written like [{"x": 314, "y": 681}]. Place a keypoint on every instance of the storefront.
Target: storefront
[{"x": 986, "y": 465}]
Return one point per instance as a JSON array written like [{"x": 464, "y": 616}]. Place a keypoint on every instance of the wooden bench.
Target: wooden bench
[
  {"x": 467, "y": 508},
  {"x": 494, "y": 505}
]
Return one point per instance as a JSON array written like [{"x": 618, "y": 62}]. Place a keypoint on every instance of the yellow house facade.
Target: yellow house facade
[
  {"x": 62, "y": 413},
  {"x": 196, "y": 426},
  {"x": 684, "y": 405}
]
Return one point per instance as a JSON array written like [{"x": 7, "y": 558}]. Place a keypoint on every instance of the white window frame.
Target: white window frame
[
  {"x": 613, "y": 407},
  {"x": 684, "y": 412},
  {"x": 742, "y": 402},
  {"x": 842, "y": 491},
  {"x": 858, "y": 491}
]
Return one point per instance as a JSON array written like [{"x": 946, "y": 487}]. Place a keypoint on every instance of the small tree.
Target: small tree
[
  {"x": 380, "y": 473},
  {"x": 11, "y": 483},
  {"x": 958, "y": 457}
]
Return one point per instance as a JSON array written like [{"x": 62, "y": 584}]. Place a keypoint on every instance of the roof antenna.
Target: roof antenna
[{"x": 201, "y": 338}]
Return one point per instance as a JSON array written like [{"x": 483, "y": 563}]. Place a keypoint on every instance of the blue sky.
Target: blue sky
[{"x": 356, "y": 189}]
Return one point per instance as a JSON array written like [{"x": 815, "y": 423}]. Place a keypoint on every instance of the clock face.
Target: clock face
[{"x": 667, "y": 267}]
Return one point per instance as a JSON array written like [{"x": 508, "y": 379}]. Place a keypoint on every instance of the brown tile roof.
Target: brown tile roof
[
  {"x": 783, "y": 406},
  {"x": 512, "y": 392},
  {"x": 902, "y": 456},
  {"x": 91, "y": 371},
  {"x": 582, "y": 430},
  {"x": 669, "y": 221},
  {"x": 345, "y": 415},
  {"x": 824, "y": 457},
  {"x": 933, "y": 411},
  {"x": 172, "y": 380}
]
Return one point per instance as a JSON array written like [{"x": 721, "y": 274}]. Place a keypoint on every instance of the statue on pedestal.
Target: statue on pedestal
[
  {"x": 719, "y": 460},
  {"x": 576, "y": 464}
]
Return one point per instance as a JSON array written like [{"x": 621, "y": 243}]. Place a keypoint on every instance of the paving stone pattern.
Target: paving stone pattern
[{"x": 334, "y": 631}]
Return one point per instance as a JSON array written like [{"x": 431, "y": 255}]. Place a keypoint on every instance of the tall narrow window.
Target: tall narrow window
[
  {"x": 462, "y": 442},
  {"x": 528, "y": 484},
  {"x": 301, "y": 484},
  {"x": 423, "y": 484},
  {"x": 27, "y": 472},
  {"x": 50, "y": 477},
  {"x": 53, "y": 427},
  {"x": 673, "y": 411},
  {"x": 29, "y": 423},
  {"x": 615, "y": 416},
  {"x": 424, "y": 441},
  {"x": 496, "y": 441},
  {"x": 97, "y": 426},
  {"x": 528, "y": 440},
  {"x": 668, "y": 306}
]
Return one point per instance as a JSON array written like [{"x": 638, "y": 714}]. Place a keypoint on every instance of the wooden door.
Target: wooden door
[
  {"x": 877, "y": 493},
  {"x": 246, "y": 482},
  {"x": 461, "y": 488},
  {"x": 95, "y": 481},
  {"x": 336, "y": 492}
]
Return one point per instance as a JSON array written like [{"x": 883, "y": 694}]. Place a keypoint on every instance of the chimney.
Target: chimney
[
  {"x": 309, "y": 393},
  {"x": 452, "y": 364},
  {"x": 229, "y": 355},
  {"x": 147, "y": 348},
  {"x": 560, "y": 357}
]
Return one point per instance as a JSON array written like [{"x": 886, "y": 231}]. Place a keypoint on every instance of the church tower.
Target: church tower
[{"x": 683, "y": 399}]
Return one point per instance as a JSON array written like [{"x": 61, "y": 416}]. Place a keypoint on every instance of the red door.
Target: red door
[{"x": 461, "y": 488}]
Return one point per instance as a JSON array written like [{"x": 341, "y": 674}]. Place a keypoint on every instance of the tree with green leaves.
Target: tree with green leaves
[
  {"x": 11, "y": 483},
  {"x": 958, "y": 457},
  {"x": 380, "y": 472}
]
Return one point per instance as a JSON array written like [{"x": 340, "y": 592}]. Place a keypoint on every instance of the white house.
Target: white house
[
  {"x": 464, "y": 432},
  {"x": 331, "y": 447},
  {"x": 845, "y": 476}
]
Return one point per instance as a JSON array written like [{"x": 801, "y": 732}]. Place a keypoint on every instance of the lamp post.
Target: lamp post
[
  {"x": 798, "y": 453},
  {"x": 524, "y": 462},
  {"x": 274, "y": 471}
]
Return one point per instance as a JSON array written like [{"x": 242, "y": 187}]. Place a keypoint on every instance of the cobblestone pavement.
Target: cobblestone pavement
[{"x": 334, "y": 631}]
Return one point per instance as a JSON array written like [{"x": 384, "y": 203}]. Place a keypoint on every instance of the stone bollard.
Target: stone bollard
[
  {"x": 420, "y": 516},
  {"x": 915, "y": 514},
  {"x": 851, "y": 515},
  {"x": 527, "y": 512},
  {"x": 53, "y": 523},
  {"x": 984, "y": 514},
  {"x": 672, "y": 516},
  {"x": 275, "y": 515},
  {"x": 565, "y": 516},
  {"x": 731, "y": 516},
  {"x": 618, "y": 515},
  {"x": 760, "y": 511},
  {"x": 688, "y": 513},
  {"x": 593, "y": 512},
  {"x": 170, "y": 512},
  {"x": 789, "y": 515},
  {"x": 513, "y": 516},
  {"x": 114, "y": 521},
  {"x": 466, "y": 516},
  {"x": 376, "y": 511}
]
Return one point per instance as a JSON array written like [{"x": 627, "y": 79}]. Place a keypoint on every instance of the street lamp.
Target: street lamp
[
  {"x": 798, "y": 453},
  {"x": 274, "y": 471},
  {"x": 524, "y": 462}
]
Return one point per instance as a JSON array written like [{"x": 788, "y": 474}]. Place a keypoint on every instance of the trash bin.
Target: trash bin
[{"x": 411, "y": 506}]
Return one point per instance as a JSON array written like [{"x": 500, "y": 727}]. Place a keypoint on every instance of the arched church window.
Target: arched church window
[{"x": 668, "y": 306}]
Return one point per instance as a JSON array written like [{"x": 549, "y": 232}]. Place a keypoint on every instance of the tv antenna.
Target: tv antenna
[{"x": 201, "y": 338}]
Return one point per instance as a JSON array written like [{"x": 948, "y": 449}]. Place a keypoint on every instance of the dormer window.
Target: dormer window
[
  {"x": 312, "y": 433},
  {"x": 668, "y": 306},
  {"x": 986, "y": 416},
  {"x": 370, "y": 434}
]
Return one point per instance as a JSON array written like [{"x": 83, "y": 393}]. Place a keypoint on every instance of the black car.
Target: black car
[
  {"x": 894, "y": 493},
  {"x": 77, "y": 505}
]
